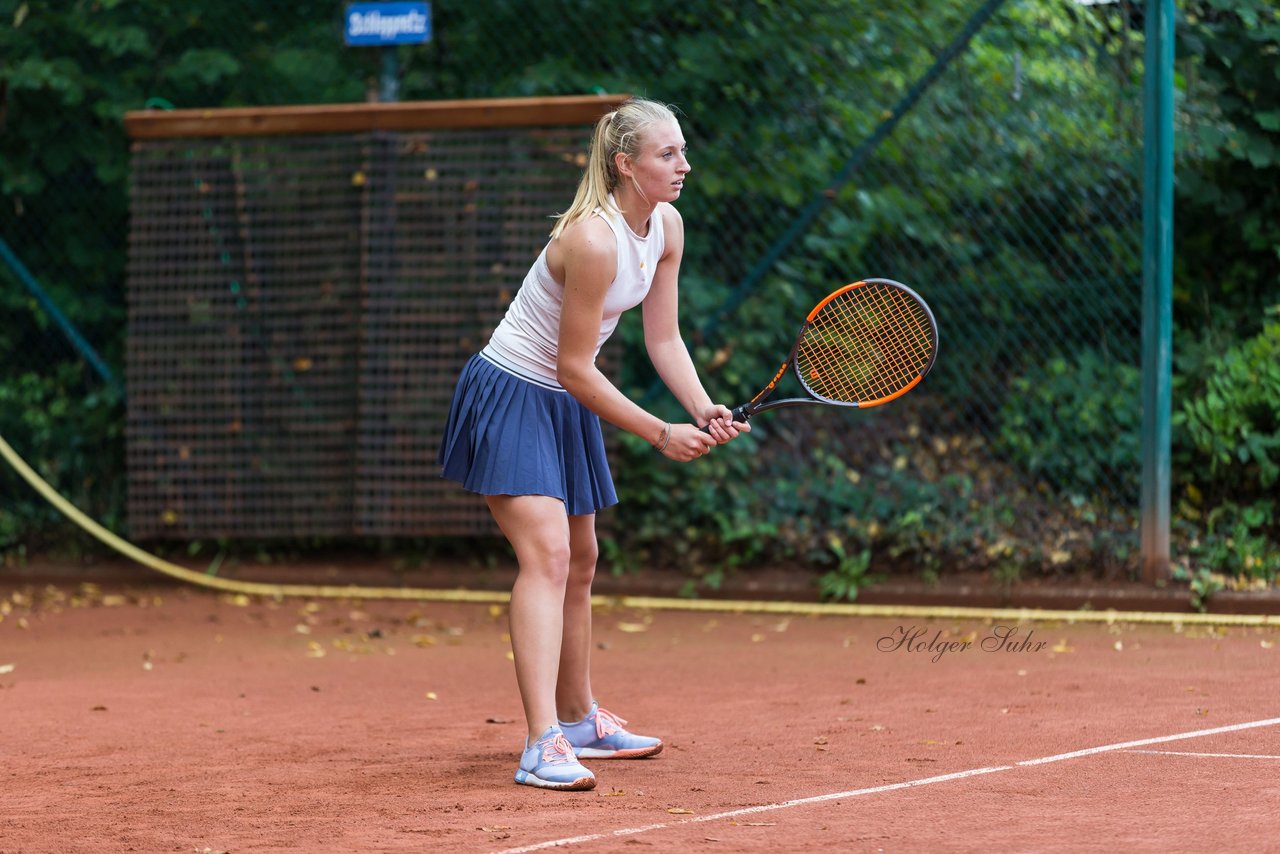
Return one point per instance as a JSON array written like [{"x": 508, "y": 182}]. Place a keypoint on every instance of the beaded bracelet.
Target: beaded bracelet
[{"x": 666, "y": 439}]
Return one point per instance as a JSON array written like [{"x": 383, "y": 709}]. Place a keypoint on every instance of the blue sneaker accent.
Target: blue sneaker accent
[
  {"x": 549, "y": 762},
  {"x": 600, "y": 735}
]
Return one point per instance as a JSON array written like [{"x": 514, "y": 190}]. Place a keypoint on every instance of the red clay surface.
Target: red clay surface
[{"x": 169, "y": 719}]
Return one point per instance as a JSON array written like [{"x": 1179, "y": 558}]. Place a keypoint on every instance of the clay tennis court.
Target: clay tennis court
[{"x": 159, "y": 717}]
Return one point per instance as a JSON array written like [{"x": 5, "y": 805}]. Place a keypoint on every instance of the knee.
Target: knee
[
  {"x": 582, "y": 563},
  {"x": 550, "y": 561}
]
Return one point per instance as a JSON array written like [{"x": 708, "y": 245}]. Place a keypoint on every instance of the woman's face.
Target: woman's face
[{"x": 658, "y": 171}]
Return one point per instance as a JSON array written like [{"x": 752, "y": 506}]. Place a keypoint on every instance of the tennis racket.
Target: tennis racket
[{"x": 864, "y": 345}]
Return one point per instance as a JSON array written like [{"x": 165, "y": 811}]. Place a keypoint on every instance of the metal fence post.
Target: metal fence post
[{"x": 1157, "y": 288}]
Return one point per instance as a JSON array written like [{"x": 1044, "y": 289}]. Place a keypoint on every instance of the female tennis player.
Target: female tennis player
[{"x": 524, "y": 424}]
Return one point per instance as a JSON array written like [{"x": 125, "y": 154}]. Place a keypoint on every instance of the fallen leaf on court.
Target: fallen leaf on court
[
  {"x": 302, "y": 629},
  {"x": 7, "y": 668},
  {"x": 424, "y": 640},
  {"x": 758, "y": 823},
  {"x": 782, "y": 626},
  {"x": 877, "y": 728},
  {"x": 113, "y": 601},
  {"x": 820, "y": 740},
  {"x": 1202, "y": 712},
  {"x": 679, "y": 811},
  {"x": 1266, "y": 644},
  {"x": 431, "y": 695},
  {"x": 315, "y": 650},
  {"x": 347, "y": 645},
  {"x": 98, "y": 709},
  {"x": 756, "y": 638},
  {"x": 511, "y": 656},
  {"x": 632, "y": 627},
  {"x": 498, "y": 720},
  {"x": 1119, "y": 645},
  {"x": 616, "y": 793},
  {"x": 495, "y": 611},
  {"x": 1061, "y": 646},
  {"x": 497, "y": 828}
]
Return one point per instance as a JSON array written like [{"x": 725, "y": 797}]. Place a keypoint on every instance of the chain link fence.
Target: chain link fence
[{"x": 986, "y": 154}]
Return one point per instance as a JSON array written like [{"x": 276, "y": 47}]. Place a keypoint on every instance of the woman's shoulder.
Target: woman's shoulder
[
  {"x": 672, "y": 227},
  {"x": 589, "y": 240},
  {"x": 670, "y": 214},
  {"x": 672, "y": 222},
  {"x": 587, "y": 231}
]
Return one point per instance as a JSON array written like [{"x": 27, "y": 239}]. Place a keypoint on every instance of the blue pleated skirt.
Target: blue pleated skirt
[{"x": 510, "y": 436}]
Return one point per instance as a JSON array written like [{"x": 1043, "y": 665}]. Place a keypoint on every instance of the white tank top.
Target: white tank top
[{"x": 526, "y": 341}]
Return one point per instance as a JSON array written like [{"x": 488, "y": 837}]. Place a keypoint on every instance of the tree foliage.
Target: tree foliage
[{"x": 1228, "y": 215}]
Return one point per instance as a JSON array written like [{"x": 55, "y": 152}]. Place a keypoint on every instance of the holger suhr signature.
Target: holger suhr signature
[{"x": 998, "y": 639}]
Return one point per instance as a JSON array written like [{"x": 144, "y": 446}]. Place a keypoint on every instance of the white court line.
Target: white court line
[
  {"x": 910, "y": 784},
  {"x": 1212, "y": 755},
  {"x": 1125, "y": 745},
  {"x": 592, "y": 837}
]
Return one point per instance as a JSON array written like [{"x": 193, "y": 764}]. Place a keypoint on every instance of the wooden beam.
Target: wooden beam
[{"x": 360, "y": 118}]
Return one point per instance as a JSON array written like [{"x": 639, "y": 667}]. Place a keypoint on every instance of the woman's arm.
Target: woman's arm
[
  {"x": 588, "y": 251},
  {"x": 667, "y": 349}
]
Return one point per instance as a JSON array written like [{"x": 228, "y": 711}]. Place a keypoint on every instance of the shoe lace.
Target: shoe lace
[
  {"x": 607, "y": 723},
  {"x": 557, "y": 751}
]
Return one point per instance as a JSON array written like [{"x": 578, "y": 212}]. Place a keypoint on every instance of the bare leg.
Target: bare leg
[
  {"x": 538, "y": 529},
  {"x": 573, "y": 687}
]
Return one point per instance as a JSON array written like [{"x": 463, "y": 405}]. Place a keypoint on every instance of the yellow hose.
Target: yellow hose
[{"x": 921, "y": 612}]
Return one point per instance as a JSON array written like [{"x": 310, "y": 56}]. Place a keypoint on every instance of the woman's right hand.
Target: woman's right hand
[{"x": 688, "y": 443}]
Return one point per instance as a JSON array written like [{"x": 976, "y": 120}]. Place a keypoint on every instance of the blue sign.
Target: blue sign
[{"x": 378, "y": 24}]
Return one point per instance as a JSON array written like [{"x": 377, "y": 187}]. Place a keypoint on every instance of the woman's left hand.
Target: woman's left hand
[{"x": 719, "y": 422}]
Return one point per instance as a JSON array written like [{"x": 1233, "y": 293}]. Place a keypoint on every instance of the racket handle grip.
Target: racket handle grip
[{"x": 740, "y": 416}]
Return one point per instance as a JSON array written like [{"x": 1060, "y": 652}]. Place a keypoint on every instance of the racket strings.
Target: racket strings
[
  {"x": 894, "y": 342},
  {"x": 866, "y": 345}
]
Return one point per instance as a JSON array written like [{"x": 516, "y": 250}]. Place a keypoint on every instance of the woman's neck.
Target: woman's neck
[{"x": 635, "y": 210}]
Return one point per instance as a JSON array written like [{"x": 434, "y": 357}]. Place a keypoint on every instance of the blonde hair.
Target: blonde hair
[{"x": 621, "y": 131}]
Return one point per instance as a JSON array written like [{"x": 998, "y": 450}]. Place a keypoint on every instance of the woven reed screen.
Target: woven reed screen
[{"x": 299, "y": 308}]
